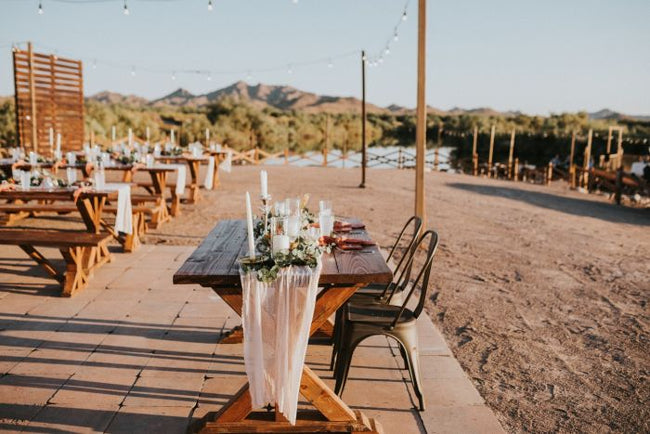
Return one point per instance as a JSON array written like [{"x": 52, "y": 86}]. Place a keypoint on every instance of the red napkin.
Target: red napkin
[{"x": 344, "y": 243}]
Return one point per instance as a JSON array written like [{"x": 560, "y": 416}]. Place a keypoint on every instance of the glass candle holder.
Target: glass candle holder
[
  {"x": 71, "y": 174},
  {"x": 279, "y": 236},
  {"x": 325, "y": 207},
  {"x": 292, "y": 206},
  {"x": 326, "y": 221}
]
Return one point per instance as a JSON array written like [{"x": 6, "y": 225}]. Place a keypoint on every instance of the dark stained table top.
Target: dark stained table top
[{"x": 214, "y": 262}]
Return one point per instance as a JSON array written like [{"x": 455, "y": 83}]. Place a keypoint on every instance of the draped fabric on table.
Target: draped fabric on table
[
  {"x": 276, "y": 318},
  {"x": 209, "y": 176},
  {"x": 124, "y": 215},
  {"x": 181, "y": 172},
  {"x": 226, "y": 165}
]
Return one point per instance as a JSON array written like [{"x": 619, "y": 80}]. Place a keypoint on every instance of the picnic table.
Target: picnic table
[
  {"x": 214, "y": 264},
  {"x": 83, "y": 251},
  {"x": 194, "y": 164}
]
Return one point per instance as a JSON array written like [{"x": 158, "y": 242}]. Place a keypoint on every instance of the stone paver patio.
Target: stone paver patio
[{"x": 135, "y": 353}]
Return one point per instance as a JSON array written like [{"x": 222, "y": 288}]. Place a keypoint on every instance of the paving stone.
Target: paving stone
[
  {"x": 50, "y": 361},
  {"x": 133, "y": 419},
  {"x": 55, "y": 418},
  {"x": 25, "y": 391},
  {"x": 217, "y": 391},
  {"x": 91, "y": 389},
  {"x": 388, "y": 396},
  {"x": 202, "y": 310},
  {"x": 138, "y": 278},
  {"x": 165, "y": 391},
  {"x": 451, "y": 392},
  {"x": 476, "y": 419},
  {"x": 440, "y": 367}
]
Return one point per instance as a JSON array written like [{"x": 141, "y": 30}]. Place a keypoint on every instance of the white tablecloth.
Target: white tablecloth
[
  {"x": 276, "y": 319},
  {"x": 124, "y": 216},
  {"x": 226, "y": 165},
  {"x": 209, "y": 176}
]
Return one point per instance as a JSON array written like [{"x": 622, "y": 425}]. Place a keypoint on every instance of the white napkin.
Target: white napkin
[
  {"x": 209, "y": 176},
  {"x": 124, "y": 216}
]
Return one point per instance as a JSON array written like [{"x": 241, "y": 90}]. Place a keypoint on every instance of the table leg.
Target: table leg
[
  {"x": 338, "y": 416},
  {"x": 215, "y": 175},
  {"x": 194, "y": 186}
]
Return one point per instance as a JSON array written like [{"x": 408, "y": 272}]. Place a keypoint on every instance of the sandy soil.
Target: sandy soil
[{"x": 541, "y": 292}]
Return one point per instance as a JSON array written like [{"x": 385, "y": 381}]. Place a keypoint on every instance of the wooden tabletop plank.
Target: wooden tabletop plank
[{"x": 214, "y": 262}]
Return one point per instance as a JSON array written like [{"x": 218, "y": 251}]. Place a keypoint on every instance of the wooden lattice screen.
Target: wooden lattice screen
[{"x": 49, "y": 94}]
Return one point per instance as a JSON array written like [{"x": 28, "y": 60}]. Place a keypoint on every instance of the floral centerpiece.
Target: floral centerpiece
[
  {"x": 171, "y": 151},
  {"x": 303, "y": 248}
]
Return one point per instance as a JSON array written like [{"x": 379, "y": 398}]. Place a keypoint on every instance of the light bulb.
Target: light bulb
[
  {"x": 40, "y": 8},
  {"x": 295, "y": 2},
  {"x": 210, "y": 5},
  {"x": 94, "y": 64},
  {"x": 209, "y": 77},
  {"x": 249, "y": 76},
  {"x": 364, "y": 58},
  {"x": 290, "y": 70},
  {"x": 330, "y": 64},
  {"x": 387, "y": 50},
  {"x": 381, "y": 60},
  {"x": 404, "y": 16},
  {"x": 396, "y": 37},
  {"x": 133, "y": 71},
  {"x": 126, "y": 8},
  {"x": 173, "y": 76}
]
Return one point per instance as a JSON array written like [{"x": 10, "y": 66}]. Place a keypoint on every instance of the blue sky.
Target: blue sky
[{"x": 535, "y": 56}]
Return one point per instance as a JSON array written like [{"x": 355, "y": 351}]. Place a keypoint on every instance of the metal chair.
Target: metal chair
[
  {"x": 377, "y": 293},
  {"x": 398, "y": 322}
]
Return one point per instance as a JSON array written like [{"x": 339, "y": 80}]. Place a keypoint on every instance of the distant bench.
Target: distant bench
[{"x": 79, "y": 250}]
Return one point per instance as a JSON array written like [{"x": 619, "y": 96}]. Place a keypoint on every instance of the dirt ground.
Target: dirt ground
[{"x": 541, "y": 292}]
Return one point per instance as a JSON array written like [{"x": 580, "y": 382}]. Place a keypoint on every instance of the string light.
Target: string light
[
  {"x": 330, "y": 64},
  {"x": 94, "y": 63},
  {"x": 249, "y": 76},
  {"x": 126, "y": 8},
  {"x": 174, "y": 75},
  {"x": 210, "y": 5},
  {"x": 387, "y": 50},
  {"x": 404, "y": 16},
  {"x": 133, "y": 71},
  {"x": 209, "y": 77},
  {"x": 395, "y": 36},
  {"x": 290, "y": 69},
  {"x": 40, "y": 7}
]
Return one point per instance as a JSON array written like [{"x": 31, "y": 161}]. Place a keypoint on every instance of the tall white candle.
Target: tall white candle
[
  {"x": 172, "y": 136},
  {"x": 207, "y": 137},
  {"x": 249, "y": 222},
  {"x": 130, "y": 137},
  {"x": 148, "y": 135},
  {"x": 51, "y": 137},
  {"x": 113, "y": 133},
  {"x": 264, "y": 183},
  {"x": 58, "y": 142}
]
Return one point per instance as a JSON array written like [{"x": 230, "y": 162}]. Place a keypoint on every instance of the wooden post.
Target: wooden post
[
  {"x": 92, "y": 138},
  {"x": 511, "y": 154},
  {"x": 516, "y": 170},
  {"x": 436, "y": 158},
  {"x": 619, "y": 150},
  {"x": 363, "y": 119},
  {"x": 399, "y": 158},
  {"x": 324, "y": 157},
  {"x": 286, "y": 156},
  {"x": 421, "y": 114},
  {"x": 492, "y": 131},
  {"x": 52, "y": 103},
  {"x": 549, "y": 173},
  {"x": 573, "y": 148},
  {"x": 587, "y": 157},
  {"x": 474, "y": 153},
  {"x": 609, "y": 140},
  {"x": 32, "y": 97}
]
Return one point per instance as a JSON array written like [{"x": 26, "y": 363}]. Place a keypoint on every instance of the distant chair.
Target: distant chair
[
  {"x": 379, "y": 292},
  {"x": 361, "y": 321}
]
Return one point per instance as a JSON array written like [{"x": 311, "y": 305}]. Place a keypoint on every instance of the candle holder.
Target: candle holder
[{"x": 266, "y": 208}]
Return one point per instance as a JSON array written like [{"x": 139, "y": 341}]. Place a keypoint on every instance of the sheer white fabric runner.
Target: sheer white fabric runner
[
  {"x": 209, "y": 175},
  {"x": 181, "y": 172},
  {"x": 226, "y": 165},
  {"x": 124, "y": 215},
  {"x": 276, "y": 318}
]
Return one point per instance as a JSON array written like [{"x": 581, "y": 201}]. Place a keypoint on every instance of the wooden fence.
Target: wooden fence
[
  {"x": 397, "y": 159},
  {"x": 48, "y": 95}
]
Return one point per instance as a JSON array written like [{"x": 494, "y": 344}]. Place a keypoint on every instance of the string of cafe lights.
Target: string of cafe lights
[{"x": 373, "y": 59}]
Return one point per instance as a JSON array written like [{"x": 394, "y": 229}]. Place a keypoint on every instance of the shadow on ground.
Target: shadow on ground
[{"x": 569, "y": 205}]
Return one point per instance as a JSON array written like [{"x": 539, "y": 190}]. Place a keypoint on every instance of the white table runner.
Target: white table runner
[
  {"x": 124, "y": 216},
  {"x": 181, "y": 172},
  {"x": 209, "y": 176},
  {"x": 276, "y": 319}
]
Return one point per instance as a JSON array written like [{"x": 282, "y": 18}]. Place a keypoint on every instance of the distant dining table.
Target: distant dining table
[
  {"x": 194, "y": 164},
  {"x": 214, "y": 264}
]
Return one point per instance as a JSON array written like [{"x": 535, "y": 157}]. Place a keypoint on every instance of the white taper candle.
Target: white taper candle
[
  {"x": 264, "y": 183},
  {"x": 249, "y": 222}
]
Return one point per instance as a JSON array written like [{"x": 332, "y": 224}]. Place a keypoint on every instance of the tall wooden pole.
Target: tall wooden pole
[
  {"x": 474, "y": 153},
  {"x": 32, "y": 97},
  {"x": 511, "y": 153},
  {"x": 363, "y": 119},
  {"x": 619, "y": 149},
  {"x": 573, "y": 148},
  {"x": 587, "y": 158},
  {"x": 609, "y": 140},
  {"x": 492, "y": 131},
  {"x": 421, "y": 121}
]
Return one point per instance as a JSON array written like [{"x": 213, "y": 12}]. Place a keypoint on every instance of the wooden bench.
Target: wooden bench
[
  {"x": 77, "y": 248},
  {"x": 130, "y": 242}
]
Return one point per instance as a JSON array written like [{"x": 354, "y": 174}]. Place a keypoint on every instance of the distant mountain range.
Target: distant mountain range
[{"x": 290, "y": 98}]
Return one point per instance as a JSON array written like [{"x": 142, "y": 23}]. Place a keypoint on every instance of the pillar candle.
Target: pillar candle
[
  {"x": 172, "y": 136},
  {"x": 130, "y": 137},
  {"x": 58, "y": 142},
  {"x": 51, "y": 137},
  {"x": 249, "y": 222},
  {"x": 113, "y": 133},
  {"x": 148, "y": 135},
  {"x": 207, "y": 137}
]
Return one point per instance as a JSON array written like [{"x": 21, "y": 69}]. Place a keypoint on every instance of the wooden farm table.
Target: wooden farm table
[
  {"x": 214, "y": 264},
  {"x": 194, "y": 164}
]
